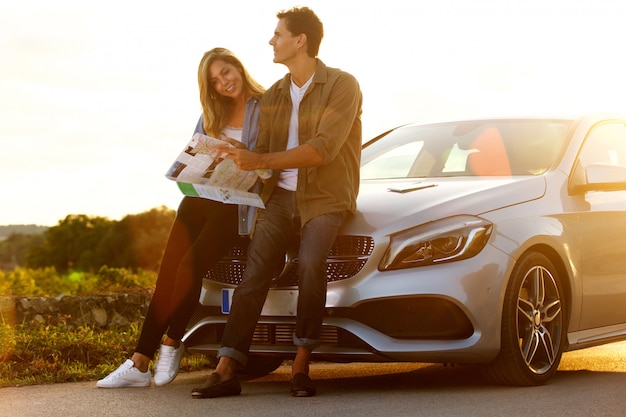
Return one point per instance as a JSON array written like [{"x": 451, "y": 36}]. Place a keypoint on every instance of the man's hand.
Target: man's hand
[
  {"x": 302, "y": 156},
  {"x": 243, "y": 158}
]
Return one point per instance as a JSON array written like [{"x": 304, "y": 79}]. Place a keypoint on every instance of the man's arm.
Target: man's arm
[{"x": 302, "y": 156}]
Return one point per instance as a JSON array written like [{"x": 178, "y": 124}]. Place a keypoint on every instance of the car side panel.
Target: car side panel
[{"x": 603, "y": 242}]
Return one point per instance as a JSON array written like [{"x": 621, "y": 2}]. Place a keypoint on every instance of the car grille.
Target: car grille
[
  {"x": 347, "y": 257},
  {"x": 271, "y": 334},
  {"x": 282, "y": 334},
  {"x": 417, "y": 318}
]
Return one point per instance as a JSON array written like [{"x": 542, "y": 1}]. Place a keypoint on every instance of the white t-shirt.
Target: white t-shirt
[
  {"x": 233, "y": 132},
  {"x": 289, "y": 177}
]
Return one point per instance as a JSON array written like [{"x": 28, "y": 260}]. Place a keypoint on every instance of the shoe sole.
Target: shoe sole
[
  {"x": 160, "y": 384},
  {"x": 227, "y": 389},
  {"x": 124, "y": 386},
  {"x": 302, "y": 393}
]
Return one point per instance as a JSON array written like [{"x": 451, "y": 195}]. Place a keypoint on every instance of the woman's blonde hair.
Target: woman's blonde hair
[{"x": 215, "y": 107}]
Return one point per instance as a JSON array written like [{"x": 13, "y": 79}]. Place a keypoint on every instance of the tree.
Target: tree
[
  {"x": 80, "y": 242},
  {"x": 14, "y": 249},
  {"x": 139, "y": 240},
  {"x": 72, "y": 244}
]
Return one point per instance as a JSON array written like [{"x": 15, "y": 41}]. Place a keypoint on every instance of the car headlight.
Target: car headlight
[{"x": 447, "y": 240}]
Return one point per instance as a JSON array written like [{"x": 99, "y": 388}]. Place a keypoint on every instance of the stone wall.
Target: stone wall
[{"x": 110, "y": 310}]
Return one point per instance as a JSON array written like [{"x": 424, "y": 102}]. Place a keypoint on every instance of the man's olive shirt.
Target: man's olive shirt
[{"x": 329, "y": 120}]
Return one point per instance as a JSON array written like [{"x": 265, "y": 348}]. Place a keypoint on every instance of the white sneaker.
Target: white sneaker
[
  {"x": 168, "y": 364},
  {"x": 125, "y": 376}
]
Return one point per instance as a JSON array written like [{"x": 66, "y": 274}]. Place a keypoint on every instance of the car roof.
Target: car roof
[{"x": 538, "y": 116}]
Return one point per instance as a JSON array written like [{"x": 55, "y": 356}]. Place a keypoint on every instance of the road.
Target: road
[{"x": 590, "y": 382}]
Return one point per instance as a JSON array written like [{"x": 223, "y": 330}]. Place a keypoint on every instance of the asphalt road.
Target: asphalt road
[{"x": 590, "y": 382}]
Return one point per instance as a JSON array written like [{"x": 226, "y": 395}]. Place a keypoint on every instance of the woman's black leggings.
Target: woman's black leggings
[{"x": 202, "y": 233}]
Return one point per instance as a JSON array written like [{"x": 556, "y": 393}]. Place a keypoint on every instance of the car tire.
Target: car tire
[{"x": 533, "y": 325}]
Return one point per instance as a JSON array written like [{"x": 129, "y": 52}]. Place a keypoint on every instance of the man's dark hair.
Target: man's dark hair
[{"x": 301, "y": 20}]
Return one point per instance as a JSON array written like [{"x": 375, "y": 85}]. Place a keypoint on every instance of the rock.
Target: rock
[
  {"x": 106, "y": 311},
  {"x": 8, "y": 312}
]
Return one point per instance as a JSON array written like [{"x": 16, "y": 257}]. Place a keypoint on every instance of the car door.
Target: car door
[{"x": 603, "y": 233}]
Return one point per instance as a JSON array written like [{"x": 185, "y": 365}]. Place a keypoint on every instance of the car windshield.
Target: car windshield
[{"x": 472, "y": 148}]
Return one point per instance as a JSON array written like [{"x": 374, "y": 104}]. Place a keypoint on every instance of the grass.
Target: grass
[
  {"x": 41, "y": 354},
  {"x": 36, "y": 353}
]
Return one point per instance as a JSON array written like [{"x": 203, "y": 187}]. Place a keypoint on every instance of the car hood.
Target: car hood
[{"x": 387, "y": 205}]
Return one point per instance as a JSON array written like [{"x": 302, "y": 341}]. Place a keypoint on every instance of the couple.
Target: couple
[{"x": 307, "y": 129}]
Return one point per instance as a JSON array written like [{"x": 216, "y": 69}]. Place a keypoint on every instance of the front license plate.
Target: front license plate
[
  {"x": 278, "y": 302},
  {"x": 227, "y": 299}
]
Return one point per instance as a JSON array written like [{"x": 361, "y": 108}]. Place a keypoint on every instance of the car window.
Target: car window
[
  {"x": 457, "y": 159},
  {"x": 480, "y": 148},
  {"x": 605, "y": 144},
  {"x": 396, "y": 162}
]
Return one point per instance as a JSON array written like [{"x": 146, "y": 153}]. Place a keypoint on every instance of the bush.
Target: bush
[{"x": 47, "y": 282}]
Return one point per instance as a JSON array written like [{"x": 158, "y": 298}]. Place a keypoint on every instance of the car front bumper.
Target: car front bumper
[{"x": 448, "y": 313}]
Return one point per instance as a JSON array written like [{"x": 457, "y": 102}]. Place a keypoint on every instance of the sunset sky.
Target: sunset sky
[{"x": 98, "y": 98}]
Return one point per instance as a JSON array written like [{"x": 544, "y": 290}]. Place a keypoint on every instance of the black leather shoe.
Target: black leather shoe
[
  {"x": 214, "y": 387},
  {"x": 302, "y": 386}
]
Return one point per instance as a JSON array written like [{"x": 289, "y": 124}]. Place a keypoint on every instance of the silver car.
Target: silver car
[{"x": 496, "y": 242}]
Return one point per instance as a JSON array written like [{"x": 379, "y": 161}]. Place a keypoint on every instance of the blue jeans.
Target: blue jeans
[{"x": 275, "y": 228}]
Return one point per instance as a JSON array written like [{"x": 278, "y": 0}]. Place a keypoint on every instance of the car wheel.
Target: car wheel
[{"x": 533, "y": 321}]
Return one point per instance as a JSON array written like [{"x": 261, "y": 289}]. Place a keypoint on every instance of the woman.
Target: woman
[{"x": 202, "y": 231}]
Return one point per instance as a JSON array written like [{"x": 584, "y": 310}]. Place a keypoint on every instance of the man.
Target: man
[{"x": 310, "y": 136}]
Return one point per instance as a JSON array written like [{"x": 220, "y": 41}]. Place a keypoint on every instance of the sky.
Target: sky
[{"x": 98, "y": 98}]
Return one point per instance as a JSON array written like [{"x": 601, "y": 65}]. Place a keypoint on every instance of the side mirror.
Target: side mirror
[{"x": 602, "y": 177}]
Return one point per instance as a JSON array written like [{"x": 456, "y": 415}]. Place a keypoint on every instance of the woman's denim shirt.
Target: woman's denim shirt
[{"x": 249, "y": 136}]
